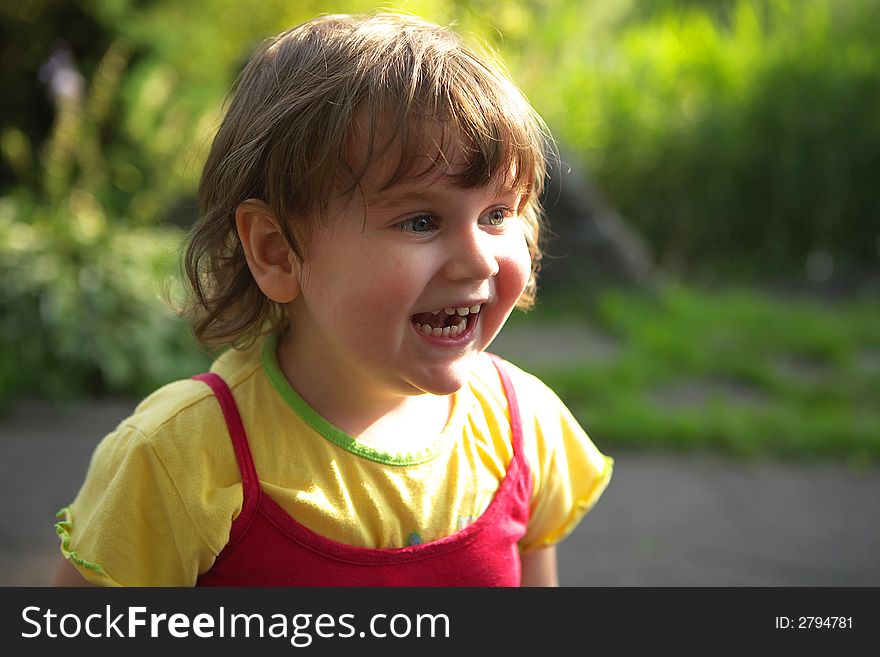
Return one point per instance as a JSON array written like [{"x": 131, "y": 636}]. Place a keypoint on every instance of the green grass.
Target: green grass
[{"x": 743, "y": 371}]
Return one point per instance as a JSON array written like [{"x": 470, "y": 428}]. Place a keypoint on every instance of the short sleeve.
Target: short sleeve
[
  {"x": 128, "y": 525},
  {"x": 569, "y": 473}
]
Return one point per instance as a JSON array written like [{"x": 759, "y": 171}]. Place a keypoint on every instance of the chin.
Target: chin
[
  {"x": 444, "y": 388},
  {"x": 446, "y": 379}
]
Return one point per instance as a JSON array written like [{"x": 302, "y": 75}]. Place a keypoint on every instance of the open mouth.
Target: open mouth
[{"x": 446, "y": 322}]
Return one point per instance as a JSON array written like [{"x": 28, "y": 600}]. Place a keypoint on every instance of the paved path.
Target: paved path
[
  {"x": 706, "y": 521},
  {"x": 664, "y": 520}
]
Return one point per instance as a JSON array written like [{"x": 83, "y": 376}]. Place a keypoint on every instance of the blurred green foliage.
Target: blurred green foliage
[
  {"x": 81, "y": 307},
  {"x": 740, "y": 136},
  {"x": 730, "y": 369}
]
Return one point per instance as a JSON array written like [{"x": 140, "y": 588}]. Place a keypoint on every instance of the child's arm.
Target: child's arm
[
  {"x": 539, "y": 567},
  {"x": 67, "y": 575}
]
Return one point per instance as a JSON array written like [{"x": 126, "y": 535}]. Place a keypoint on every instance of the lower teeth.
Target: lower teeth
[{"x": 446, "y": 331}]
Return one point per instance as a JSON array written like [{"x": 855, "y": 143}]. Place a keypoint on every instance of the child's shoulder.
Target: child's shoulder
[
  {"x": 523, "y": 382},
  {"x": 177, "y": 402},
  {"x": 533, "y": 395},
  {"x": 187, "y": 407}
]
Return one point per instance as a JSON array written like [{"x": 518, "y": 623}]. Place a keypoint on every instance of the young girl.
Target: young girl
[{"x": 369, "y": 218}]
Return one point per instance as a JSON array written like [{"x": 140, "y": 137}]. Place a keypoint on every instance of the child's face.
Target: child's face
[{"x": 378, "y": 279}]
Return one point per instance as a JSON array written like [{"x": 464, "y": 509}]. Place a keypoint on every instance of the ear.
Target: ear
[{"x": 271, "y": 260}]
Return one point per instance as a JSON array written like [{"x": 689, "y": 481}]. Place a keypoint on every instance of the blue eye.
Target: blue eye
[
  {"x": 422, "y": 223},
  {"x": 496, "y": 216}
]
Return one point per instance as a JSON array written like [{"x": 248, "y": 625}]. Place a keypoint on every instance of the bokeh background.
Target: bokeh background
[{"x": 710, "y": 289}]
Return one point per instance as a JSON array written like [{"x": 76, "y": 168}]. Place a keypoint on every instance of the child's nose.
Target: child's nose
[{"x": 471, "y": 256}]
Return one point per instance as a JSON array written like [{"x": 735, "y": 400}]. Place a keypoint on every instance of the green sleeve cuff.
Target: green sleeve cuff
[{"x": 62, "y": 528}]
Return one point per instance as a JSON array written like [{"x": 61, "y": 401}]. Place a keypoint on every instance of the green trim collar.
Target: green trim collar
[{"x": 337, "y": 436}]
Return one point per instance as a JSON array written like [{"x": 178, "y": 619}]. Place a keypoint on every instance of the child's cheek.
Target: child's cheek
[
  {"x": 514, "y": 270},
  {"x": 391, "y": 285}
]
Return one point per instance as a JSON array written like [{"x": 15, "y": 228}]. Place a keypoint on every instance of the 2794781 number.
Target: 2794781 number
[{"x": 814, "y": 622}]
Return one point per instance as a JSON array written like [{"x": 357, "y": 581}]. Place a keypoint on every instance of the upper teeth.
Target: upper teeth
[{"x": 464, "y": 310}]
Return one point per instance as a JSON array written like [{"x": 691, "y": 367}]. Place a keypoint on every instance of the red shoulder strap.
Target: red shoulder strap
[
  {"x": 512, "y": 406},
  {"x": 249, "y": 480}
]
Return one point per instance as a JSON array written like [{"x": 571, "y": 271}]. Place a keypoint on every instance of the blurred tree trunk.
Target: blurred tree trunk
[{"x": 590, "y": 244}]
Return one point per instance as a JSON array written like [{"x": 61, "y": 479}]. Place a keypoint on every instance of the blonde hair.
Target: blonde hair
[{"x": 285, "y": 140}]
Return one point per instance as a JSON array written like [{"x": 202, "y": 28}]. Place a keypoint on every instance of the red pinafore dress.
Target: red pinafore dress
[{"x": 267, "y": 547}]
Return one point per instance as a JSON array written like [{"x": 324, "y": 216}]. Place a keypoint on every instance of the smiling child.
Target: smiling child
[{"x": 369, "y": 218}]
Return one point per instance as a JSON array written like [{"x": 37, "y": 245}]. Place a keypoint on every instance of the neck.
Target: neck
[{"x": 355, "y": 403}]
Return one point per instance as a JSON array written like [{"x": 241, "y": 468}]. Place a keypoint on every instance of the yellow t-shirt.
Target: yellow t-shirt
[{"x": 163, "y": 489}]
